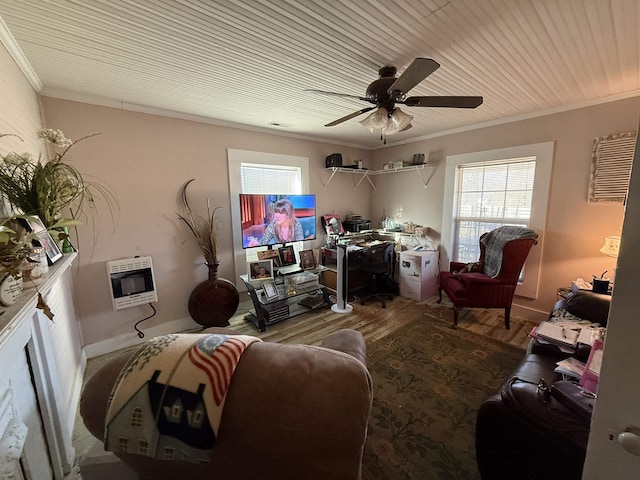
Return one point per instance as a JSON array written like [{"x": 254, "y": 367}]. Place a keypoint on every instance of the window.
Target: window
[
  {"x": 257, "y": 172},
  {"x": 176, "y": 411},
  {"x": 123, "y": 444},
  {"x": 136, "y": 417},
  {"x": 489, "y": 196},
  {"x": 498, "y": 190},
  {"x": 264, "y": 178},
  {"x": 167, "y": 453},
  {"x": 143, "y": 447}
]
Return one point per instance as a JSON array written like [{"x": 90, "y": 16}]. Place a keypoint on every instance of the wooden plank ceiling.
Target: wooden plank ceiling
[{"x": 248, "y": 62}]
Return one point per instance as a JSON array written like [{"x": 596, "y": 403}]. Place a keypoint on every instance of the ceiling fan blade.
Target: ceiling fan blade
[
  {"x": 349, "y": 117},
  {"x": 447, "y": 102},
  {"x": 333, "y": 94},
  {"x": 419, "y": 69}
]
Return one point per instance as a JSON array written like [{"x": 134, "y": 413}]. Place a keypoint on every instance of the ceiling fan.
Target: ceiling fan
[{"x": 387, "y": 91}]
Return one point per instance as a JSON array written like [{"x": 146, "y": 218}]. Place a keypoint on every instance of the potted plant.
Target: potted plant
[
  {"x": 15, "y": 247},
  {"x": 52, "y": 189},
  {"x": 15, "y": 251}
]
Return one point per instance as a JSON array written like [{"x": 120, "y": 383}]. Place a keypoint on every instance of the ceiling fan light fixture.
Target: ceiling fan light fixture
[
  {"x": 377, "y": 120},
  {"x": 398, "y": 121}
]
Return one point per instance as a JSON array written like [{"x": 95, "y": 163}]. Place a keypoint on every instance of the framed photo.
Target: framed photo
[
  {"x": 307, "y": 259},
  {"x": 260, "y": 270},
  {"x": 34, "y": 225},
  {"x": 332, "y": 224},
  {"x": 270, "y": 290},
  {"x": 287, "y": 255},
  {"x": 270, "y": 255}
]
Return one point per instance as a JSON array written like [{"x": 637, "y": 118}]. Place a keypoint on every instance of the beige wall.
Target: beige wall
[
  {"x": 145, "y": 160},
  {"x": 575, "y": 228}
]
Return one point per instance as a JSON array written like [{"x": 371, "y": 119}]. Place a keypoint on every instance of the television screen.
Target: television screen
[{"x": 277, "y": 219}]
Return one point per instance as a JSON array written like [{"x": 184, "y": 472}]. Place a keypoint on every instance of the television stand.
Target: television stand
[{"x": 293, "y": 299}]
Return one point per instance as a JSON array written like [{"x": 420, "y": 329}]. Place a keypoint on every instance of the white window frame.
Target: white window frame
[
  {"x": 478, "y": 219},
  {"x": 543, "y": 153},
  {"x": 235, "y": 159}
]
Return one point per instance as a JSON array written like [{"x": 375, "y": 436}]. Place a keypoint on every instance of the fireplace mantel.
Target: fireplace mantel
[{"x": 43, "y": 363}]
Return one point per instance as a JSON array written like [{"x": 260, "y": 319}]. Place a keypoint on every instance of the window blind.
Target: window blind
[
  {"x": 611, "y": 167},
  {"x": 490, "y": 195},
  {"x": 259, "y": 178}
]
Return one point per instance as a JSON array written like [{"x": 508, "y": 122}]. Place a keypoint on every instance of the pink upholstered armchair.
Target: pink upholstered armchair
[{"x": 503, "y": 252}]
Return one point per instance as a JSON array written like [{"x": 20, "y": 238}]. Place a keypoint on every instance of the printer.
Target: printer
[{"x": 355, "y": 224}]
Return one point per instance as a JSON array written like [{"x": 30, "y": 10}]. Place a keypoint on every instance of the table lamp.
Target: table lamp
[{"x": 611, "y": 245}]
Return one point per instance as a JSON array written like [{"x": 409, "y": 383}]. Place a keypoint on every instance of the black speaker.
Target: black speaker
[
  {"x": 418, "y": 159},
  {"x": 334, "y": 160}
]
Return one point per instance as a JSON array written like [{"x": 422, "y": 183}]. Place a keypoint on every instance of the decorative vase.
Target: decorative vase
[
  {"x": 214, "y": 301},
  {"x": 66, "y": 243}
]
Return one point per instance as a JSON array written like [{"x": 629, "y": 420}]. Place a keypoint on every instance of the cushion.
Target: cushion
[
  {"x": 589, "y": 306},
  {"x": 452, "y": 284}
]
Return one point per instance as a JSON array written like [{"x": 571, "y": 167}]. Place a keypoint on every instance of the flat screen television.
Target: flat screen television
[{"x": 277, "y": 219}]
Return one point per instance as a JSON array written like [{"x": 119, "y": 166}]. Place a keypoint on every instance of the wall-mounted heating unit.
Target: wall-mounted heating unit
[{"x": 132, "y": 282}]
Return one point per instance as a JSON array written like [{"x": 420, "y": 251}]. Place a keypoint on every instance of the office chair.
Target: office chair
[{"x": 381, "y": 270}]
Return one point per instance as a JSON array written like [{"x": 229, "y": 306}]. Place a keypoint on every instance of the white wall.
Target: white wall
[{"x": 575, "y": 229}]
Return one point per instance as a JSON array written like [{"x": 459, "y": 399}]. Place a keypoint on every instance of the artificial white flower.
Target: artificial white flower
[{"x": 56, "y": 137}]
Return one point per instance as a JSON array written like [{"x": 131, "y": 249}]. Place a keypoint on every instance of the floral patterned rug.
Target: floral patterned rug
[{"x": 429, "y": 382}]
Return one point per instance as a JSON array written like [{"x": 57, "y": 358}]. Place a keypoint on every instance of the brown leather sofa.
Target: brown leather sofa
[
  {"x": 523, "y": 433},
  {"x": 292, "y": 412}
]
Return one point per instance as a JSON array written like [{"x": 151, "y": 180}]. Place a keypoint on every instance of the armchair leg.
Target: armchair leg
[
  {"x": 439, "y": 295},
  {"x": 507, "y": 314},
  {"x": 455, "y": 318}
]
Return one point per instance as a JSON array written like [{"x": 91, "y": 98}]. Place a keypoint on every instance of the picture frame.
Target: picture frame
[
  {"x": 332, "y": 224},
  {"x": 270, "y": 290},
  {"x": 34, "y": 225},
  {"x": 287, "y": 255},
  {"x": 270, "y": 255},
  {"x": 307, "y": 259},
  {"x": 260, "y": 270}
]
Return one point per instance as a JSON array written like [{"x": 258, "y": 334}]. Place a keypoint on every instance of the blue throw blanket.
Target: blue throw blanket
[{"x": 495, "y": 241}]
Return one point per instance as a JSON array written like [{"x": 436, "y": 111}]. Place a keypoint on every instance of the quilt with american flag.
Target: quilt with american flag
[{"x": 168, "y": 401}]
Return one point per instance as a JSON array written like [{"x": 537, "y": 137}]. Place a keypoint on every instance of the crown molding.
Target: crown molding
[{"x": 19, "y": 57}]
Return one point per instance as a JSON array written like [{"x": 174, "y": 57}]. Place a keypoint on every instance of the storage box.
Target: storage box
[{"x": 418, "y": 274}]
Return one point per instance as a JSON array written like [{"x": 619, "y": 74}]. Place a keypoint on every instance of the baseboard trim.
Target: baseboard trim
[
  {"x": 129, "y": 339},
  {"x": 527, "y": 313}
]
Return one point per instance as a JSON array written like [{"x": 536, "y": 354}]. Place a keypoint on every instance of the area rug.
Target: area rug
[{"x": 429, "y": 381}]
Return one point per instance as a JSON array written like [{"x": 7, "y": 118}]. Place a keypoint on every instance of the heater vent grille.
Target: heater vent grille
[
  {"x": 129, "y": 264},
  {"x": 132, "y": 282}
]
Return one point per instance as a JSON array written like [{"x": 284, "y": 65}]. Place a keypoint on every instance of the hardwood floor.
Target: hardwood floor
[{"x": 373, "y": 321}]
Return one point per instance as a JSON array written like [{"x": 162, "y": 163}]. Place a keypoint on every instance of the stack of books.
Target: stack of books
[
  {"x": 549, "y": 332},
  {"x": 276, "y": 311},
  {"x": 312, "y": 301},
  {"x": 570, "y": 368}
]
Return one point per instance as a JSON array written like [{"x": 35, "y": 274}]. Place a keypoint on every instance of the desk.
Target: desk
[{"x": 356, "y": 280}]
